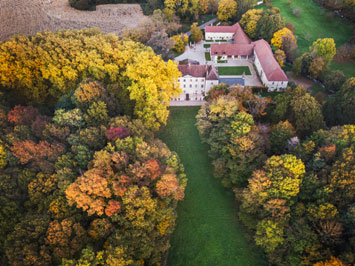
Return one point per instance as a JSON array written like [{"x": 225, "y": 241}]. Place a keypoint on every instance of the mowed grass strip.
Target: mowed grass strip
[
  {"x": 207, "y": 231},
  {"x": 207, "y": 56},
  {"x": 233, "y": 70}
]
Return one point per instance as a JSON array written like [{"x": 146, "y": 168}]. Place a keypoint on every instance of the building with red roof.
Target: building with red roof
[
  {"x": 196, "y": 81},
  {"x": 241, "y": 47}
]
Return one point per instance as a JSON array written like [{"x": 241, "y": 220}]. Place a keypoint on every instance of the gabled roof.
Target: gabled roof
[
  {"x": 213, "y": 74},
  {"x": 231, "y": 49},
  {"x": 224, "y": 29},
  {"x": 240, "y": 37},
  {"x": 271, "y": 67},
  {"x": 199, "y": 71}
]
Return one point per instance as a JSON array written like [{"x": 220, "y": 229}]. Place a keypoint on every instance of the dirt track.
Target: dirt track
[{"x": 31, "y": 16}]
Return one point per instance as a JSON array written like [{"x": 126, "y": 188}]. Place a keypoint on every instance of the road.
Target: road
[{"x": 203, "y": 25}]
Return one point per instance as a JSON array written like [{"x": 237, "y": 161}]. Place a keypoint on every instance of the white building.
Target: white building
[
  {"x": 196, "y": 81},
  {"x": 241, "y": 48}
]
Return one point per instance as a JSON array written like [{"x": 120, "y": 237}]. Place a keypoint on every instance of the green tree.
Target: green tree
[
  {"x": 270, "y": 22},
  {"x": 279, "y": 136}
]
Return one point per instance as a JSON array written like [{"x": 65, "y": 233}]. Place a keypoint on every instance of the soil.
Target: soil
[{"x": 20, "y": 17}]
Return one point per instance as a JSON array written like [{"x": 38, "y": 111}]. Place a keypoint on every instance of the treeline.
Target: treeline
[
  {"x": 346, "y": 7},
  {"x": 87, "y": 184},
  {"x": 293, "y": 177}
]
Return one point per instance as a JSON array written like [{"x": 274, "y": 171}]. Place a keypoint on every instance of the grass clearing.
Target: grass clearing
[
  {"x": 207, "y": 56},
  {"x": 207, "y": 231},
  {"x": 316, "y": 22},
  {"x": 233, "y": 70}
]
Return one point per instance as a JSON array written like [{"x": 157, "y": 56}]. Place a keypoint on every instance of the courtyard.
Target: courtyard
[{"x": 232, "y": 68}]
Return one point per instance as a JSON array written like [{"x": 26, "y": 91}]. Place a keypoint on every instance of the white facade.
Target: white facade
[
  {"x": 225, "y": 57},
  {"x": 219, "y": 36},
  {"x": 194, "y": 88},
  {"x": 272, "y": 85}
]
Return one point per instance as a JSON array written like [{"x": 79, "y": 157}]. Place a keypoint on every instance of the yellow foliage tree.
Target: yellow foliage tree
[
  {"x": 181, "y": 41},
  {"x": 332, "y": 262},
  {"x": 44, "y": 67},
  {"x": 282, "y": 36},
  {"x": 280, "y": 57},
  {"x": 204, "y": 5},
  {"x": 227, "y": 9},
  {"x": 249, "y": 21}
]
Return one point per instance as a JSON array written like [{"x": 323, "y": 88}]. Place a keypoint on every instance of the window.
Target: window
[
  {"x": 201, "y": 85},
  {"x": 190, "y": 85},
  {"x": 196, "y": 80},
  {"x": 184, "y": 86},
  {"x": 184, "y": 80},
  {"x": 195, "y": 85}
]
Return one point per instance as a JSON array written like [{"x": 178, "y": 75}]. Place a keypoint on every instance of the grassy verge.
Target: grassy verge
[
  {"x": 233, "y": 70},
  {"x": 206, "y": 45},
  {"x": 221, "y": 61},
  {"x": 207, "y": 56},
  {"x": 207, "y": 231}
]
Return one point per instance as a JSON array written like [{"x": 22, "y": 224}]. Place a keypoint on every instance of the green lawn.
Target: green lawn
[
  {"x": 313, "y": 24},
  {"x": 207, "y": 56},
  {"x": 207, "y": 231},
  {"x": 233, "y": 70},
  {"x": 206, "y": 45}
]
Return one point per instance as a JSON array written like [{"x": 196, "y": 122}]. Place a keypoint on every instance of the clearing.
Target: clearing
[
  {"x": 207, "y": 231},
  {"x": 233, "y": 70},
  {"x": 316, "y": 22}
]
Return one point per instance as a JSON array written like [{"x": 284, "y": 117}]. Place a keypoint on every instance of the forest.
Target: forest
[
  {"x": 83, "y": 179},
  {"x": 292, "y": 175}
]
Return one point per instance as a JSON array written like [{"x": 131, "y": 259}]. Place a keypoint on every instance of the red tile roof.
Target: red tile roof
[
  {"x": 243, "y": 46},
  {"x": 199, "y": 71},
  {"x": 240, "y": 37},
  {"x": 271, "y": 67},
  {"x": 231, "y": 49},
  {"x": 213, "y": 74},
  {"x": 224, "y": 29}
]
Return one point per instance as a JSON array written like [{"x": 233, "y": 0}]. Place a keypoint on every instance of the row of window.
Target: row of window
[
  {"x": 196, "y": 80},
  {"x": 184, "y": 86},
  {"x": 202, "y": 92},
  {"x": 183, "y": 99}
]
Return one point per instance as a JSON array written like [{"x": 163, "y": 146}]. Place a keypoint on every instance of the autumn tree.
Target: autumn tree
[
  {"x": 204, "y": 6},
  {"x": 235, "y": 144},
  {"x": 280, "y": 57},
  {"x": 196, "y": 33},
  {"x": 180, "y": 41},
  {"x": 135, "y": 70},
  {"x": 249, "y": 21},
  {"x": 324, "y": 48},
  {"x": 227, "y": 9}
]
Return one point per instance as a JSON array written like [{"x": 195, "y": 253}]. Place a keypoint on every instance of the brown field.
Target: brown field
[{"x": 29, "y": 17}]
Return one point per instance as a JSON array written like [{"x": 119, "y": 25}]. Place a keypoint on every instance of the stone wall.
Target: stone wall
[{"x": 29, "y": 17}]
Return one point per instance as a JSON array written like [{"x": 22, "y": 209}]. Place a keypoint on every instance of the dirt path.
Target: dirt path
[{"x": 29, "y": 17}]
